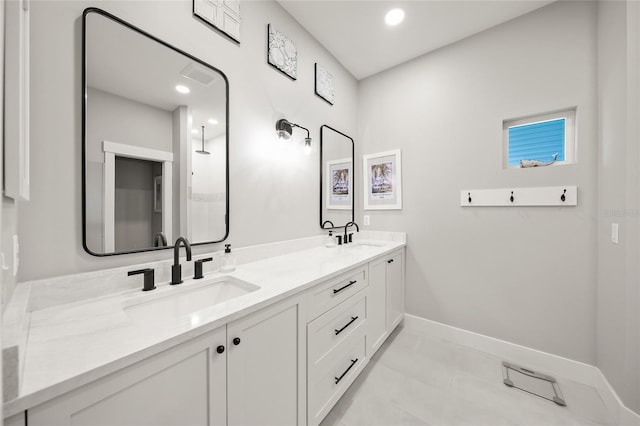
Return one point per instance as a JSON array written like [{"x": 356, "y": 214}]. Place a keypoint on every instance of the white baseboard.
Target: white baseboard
[
  {"x": 626, "y": 416},
  {"x": 532, "y": 358}
]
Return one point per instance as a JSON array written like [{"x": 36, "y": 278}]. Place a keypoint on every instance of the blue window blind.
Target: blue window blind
[{"x": 537, "y": 141}]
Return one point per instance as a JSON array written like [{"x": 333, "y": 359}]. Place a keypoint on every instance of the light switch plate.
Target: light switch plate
[{"x": 367, "y": 220}]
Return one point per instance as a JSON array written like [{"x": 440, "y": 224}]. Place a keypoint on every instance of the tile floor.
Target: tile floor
[{"x": 416, "y": 380}]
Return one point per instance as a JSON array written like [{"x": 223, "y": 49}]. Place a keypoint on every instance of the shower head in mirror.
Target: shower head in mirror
[{"x": 202, "y": 151}]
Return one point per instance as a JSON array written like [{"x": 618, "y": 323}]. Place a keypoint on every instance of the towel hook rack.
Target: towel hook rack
[
  {"x": 511, "y": 198},
  {"x": 469, "y": 197},
  {"x": 563, "y": 196}
]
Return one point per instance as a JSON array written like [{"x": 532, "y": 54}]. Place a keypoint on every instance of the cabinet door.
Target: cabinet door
[
  {"x": 263, "y": 367},
  {"x": 395, "y": 290},
  {"x": 377, "y": 305},
  {"x": 175, "y": 387}
]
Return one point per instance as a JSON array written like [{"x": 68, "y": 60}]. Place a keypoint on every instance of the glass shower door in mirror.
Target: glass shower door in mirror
[
  {"x": 155, "y": 141},
  {"x": 336, "y": 178}
]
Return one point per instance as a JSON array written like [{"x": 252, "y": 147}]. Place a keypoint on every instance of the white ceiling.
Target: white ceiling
[{"x": 355, "y": 33}]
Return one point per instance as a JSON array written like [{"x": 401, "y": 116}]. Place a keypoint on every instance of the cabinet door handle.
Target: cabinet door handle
[
  {"x": 236, "y": 341},
  {"x": 342, "y": 288},
  {"x": 390, "y": 261},
  {"x": 220, "y": 349},
  {"x": 353, "y": 362},
  {"x": 346, "y": 325}
]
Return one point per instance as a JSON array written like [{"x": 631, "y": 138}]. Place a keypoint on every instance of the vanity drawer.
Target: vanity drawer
[
  {"x": 332, "y": 328},
  {"x": 325, "y": 296},
  {"x": 329, "y": 380}
]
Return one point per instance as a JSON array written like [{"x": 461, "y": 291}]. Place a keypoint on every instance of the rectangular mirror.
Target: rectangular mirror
[
  {"x": 155, "y": 141},
  {"x": 336, "y": 178}
]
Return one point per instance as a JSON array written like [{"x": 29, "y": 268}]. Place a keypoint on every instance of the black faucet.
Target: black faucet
[
  {"x": 327, "y": 221},
  {"x": 176, "y": 268},
  {"x": 160, "y": 240},
  {"x": 197, "y": 267},
  {"x": 349, "y": 238},
  {"x": 149, "y": 277}
]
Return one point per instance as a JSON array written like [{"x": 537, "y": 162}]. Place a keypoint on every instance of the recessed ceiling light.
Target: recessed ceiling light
[
  {"x": 212, "y": 121},
  {"x": 182, "y": 89},
  {"x": 194, "y": 131},
  {"x": 394, "y": 17}
]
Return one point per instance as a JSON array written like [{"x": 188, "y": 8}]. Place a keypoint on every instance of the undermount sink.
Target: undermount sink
[
  {"x": 366, "y": 244},
  {"x": 191, "y": 298}
]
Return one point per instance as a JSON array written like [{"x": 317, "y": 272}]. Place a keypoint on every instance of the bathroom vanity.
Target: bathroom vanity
[{"x": 278, "y": 341}]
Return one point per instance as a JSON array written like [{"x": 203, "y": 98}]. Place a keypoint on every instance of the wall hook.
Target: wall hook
[
  {"x": 563, "y": 197},
  {"x": 469, "y": 197},
  {"x": 511, "y": 198}
]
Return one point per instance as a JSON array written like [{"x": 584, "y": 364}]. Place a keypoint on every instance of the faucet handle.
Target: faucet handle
[
  {"x": 198, "y": 267},
  {"x": 149, "y": 278}
]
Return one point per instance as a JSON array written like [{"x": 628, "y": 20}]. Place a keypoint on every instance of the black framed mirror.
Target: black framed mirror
[
  {"x": 337, "y": 198},
  {"x": 155, "y": 132}
]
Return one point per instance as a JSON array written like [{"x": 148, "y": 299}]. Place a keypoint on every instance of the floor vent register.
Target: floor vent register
[{"x": 532, "y": 382}]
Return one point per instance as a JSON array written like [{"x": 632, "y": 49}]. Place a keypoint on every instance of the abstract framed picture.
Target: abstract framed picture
[
  {"x": 282, "y": 53},
  {"x": 223, "y": 16},
  {"x": 382, "y": 180},
  {"x": 324, "y": 84},
  {"x": 339, "y": 184}
]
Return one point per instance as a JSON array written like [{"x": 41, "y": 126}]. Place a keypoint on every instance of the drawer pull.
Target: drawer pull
[
  {"x": 346, "y": 325},
  {"x": 353, "y": 362},
  {"x": 342, "y": 288},
  {"x": 390, "y": 261}
]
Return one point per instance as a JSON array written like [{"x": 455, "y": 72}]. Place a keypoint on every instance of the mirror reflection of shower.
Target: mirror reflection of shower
[{"x": 202, "y": 151}]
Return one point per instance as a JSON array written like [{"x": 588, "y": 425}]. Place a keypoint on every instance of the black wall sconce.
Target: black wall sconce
[{"x": 284, "y": 129}]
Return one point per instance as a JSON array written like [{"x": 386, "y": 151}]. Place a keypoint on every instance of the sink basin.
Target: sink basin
[
  {"x": 366, "y": 244},
  {"x": 191, "y": 298}
]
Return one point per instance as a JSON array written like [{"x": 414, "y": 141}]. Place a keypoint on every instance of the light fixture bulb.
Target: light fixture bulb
[
  {"x": 182, "y": 89},
  {"x": 307, "y": 146},
  {"x": 394, "y": 17},
  {"x": 283, "y": 135},
  {"x": 212, "y": 121}
]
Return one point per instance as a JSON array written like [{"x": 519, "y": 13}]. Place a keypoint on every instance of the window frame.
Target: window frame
[{"x": 569, "y": 115}]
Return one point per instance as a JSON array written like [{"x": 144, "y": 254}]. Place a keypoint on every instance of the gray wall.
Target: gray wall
[
  {"x": 525, "y": 275},
  {"x": 274, "y": 192},
  {"x": 618, "y": 313}
]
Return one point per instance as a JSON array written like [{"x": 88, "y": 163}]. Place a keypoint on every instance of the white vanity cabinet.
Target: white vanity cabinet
[
  {"x": 336, "y": 340},
  {"x": 386, "y": 298},
  {"x": 265, "y": 367},
  {"x": 174, "y": 387},
  {"x": 285, "y": 364},
  {"x": 226, "y": 376}
]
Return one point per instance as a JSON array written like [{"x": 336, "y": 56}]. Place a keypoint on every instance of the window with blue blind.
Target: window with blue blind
[{"x": 540, "y": 138}]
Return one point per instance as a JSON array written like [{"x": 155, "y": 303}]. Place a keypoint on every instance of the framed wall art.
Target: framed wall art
[
  {"x": 382, "y": 180},
  {"x": 324, "y": 84},
  {"x": 339, "y": 175},
  {"x": 282, "y": 53},
  {"x": 222, "y": 15}
]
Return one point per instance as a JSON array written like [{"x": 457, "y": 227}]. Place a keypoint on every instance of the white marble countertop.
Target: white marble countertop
[{"x": 76, "y": 343}]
